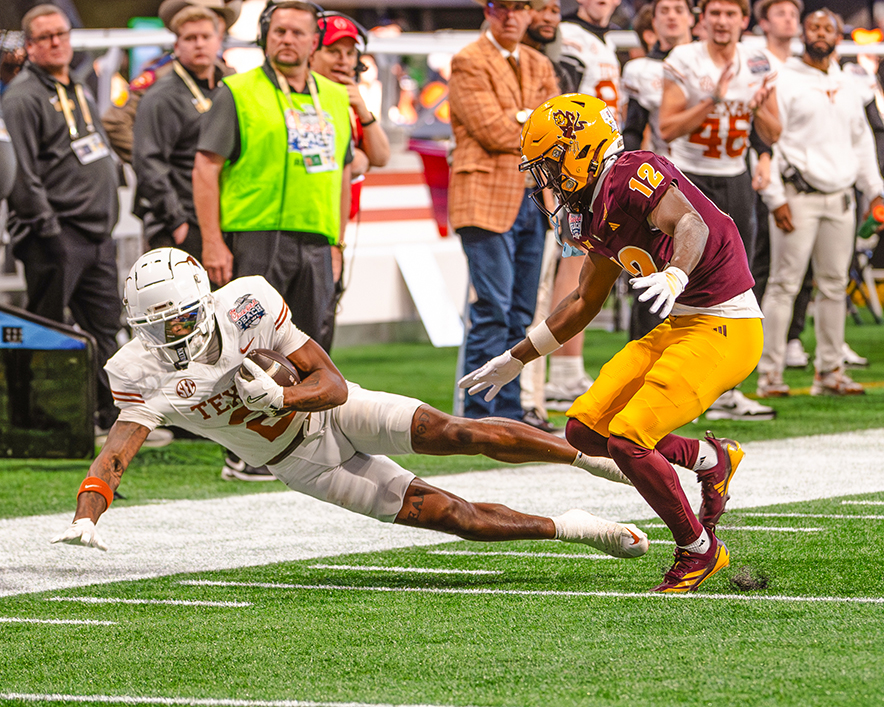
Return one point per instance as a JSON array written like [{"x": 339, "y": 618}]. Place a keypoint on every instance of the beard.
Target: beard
[
  {"x": 818, "y": 53},
  {"x": 539, "y": 38}
]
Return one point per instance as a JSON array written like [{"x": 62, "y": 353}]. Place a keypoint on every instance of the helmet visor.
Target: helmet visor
[
  {"x": 547, "y": 173},
  {"x": 170, "y": 327}
]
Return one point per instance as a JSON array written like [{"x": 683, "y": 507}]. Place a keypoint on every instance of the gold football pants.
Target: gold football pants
[{"x": 669, "y": 377}]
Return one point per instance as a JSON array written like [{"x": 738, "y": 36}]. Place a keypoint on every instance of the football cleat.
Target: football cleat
[
  {"x": 561, "y": 397},
  {"x": 615, "y": 539},
  {"x": 715, "y": 482},
  {"x": 836, "y": 383},
  {"x": 733, "y": 405},
  {"x": 691, "y": 569},
  {"x": 235, "y": 469},
  {"x": 771, "y": 385},
  {"x": 796, "y": 356}
]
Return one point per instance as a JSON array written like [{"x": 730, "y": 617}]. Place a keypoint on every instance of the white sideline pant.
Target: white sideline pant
[{"x": 825, "y": 225}]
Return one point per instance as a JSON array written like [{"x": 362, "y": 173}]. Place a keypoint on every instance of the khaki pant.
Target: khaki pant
[{"x": 824, "y": 231}]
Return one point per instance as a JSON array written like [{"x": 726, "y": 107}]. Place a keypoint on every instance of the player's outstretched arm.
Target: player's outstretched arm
[
  {"x": 97, "y": 490},
  {"x": 322, "y": 388},
  {"x": 570, "y": 317}
]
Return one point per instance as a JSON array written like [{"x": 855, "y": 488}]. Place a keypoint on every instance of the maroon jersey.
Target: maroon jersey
[{"x": 618, "y": 228}]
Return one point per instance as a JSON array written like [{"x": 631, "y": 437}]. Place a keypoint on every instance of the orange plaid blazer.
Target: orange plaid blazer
[{"x": 486, "y": 187}]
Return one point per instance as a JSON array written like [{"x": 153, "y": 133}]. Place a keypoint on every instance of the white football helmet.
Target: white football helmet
[{"x": 169, "y": 305}]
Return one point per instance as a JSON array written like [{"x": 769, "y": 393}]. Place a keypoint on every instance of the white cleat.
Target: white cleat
[{"x": 615, "y": 539}]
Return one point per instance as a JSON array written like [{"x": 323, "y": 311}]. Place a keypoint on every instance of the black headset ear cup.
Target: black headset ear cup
[{"x": 267, "y": 13}]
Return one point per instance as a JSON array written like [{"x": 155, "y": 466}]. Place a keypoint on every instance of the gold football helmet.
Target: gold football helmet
[{"x": 564, "y": 144}]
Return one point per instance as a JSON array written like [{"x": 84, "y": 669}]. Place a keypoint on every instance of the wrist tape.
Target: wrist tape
[{"x": 542, "y": 339}]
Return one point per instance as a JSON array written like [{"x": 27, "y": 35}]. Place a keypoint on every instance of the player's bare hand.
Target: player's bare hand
[
  {"x": 495, "y": 374},
  {"x": 783, "y": 218},
  {"x": 761, "y": 95},
  {"x": 337, "y": 258},
  {"x": 723, "y": 82},
  {"x": 761, "y": 178},
  {"x": 180, "y": 233},
  {"x": 262, "y": 393},
  {"x": 218, "y": 261},
  {"x": 663, "y": 287},
  {"x": 81, "y": 532}
]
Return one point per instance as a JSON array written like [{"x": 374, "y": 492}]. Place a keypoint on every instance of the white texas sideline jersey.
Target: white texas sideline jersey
[
  {"x": 202, "y": 398},
  {"x": 593, "y": 63},
  {"x": 719, "y": 145},
  {"x": 643, "y": 82}
]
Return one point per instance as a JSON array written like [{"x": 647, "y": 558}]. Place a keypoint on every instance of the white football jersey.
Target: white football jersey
[
  {"x": 202, "y": 398},
  {"x": 718, "y": 146},
  {"x": 643, "y": 82},
  {"x": 593, "y": 63}
]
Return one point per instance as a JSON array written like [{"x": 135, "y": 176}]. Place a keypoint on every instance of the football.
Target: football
[{"x": 278, "y": 367}]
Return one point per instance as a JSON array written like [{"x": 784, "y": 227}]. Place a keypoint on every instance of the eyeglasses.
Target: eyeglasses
[
  {"x": 501, "y": 8},
  {"x": 47, "y": 38}
]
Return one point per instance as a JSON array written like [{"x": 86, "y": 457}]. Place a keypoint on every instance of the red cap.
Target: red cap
[{"x": 336, "y": 28}]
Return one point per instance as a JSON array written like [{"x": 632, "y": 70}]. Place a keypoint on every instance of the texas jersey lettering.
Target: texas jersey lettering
[
  {"x": 719, "y": 145},
  {"x": 203, "y": 398}
]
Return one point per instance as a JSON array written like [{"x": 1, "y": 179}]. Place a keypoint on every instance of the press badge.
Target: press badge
[
  {"x": 90, "y": 148},
  {"x": 318, "y": 159}
]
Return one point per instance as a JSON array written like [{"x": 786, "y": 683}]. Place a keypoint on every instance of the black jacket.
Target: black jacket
[
  {"x": 51, "y": 185},
  {"x": 7, "y": 160},
  {"x": 167, "y": 129}
]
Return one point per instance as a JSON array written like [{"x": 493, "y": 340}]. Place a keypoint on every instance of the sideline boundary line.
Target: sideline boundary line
[
  {"x": 75, "y": 622},
  {"x": 168, "y": 602},
  {"x": 415, "y": 570},
  {"x": 823, "y": 516},
  {"x": 194, "y": 701},
  {"x": 513, "y": 553},
  {"x": 538, "y": 593},
  {"x": 764, "y": 528}
]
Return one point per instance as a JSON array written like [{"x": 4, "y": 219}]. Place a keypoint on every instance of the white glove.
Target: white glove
[
  {"x": 262, "y": 393},
  {"x": 495, "y": 374},
  {"x": 81, "y": 532},
  {"x": 663, "y": 286}
]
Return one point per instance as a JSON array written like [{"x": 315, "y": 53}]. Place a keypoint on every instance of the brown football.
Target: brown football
[{"x": 278, "y": 367}]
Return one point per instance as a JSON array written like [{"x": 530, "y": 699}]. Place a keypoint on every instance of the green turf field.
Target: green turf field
[
  {"x": 548, "y": 625},
  {"x": 460, "y": 624}
]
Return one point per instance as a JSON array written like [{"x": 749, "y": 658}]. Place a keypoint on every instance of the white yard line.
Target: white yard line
[
  {"x": 538, "y": 593},
  {"x": 862, "y": 503},
  {"x": 826, "y": 516},
  {"x": 763, "y": 528},
  {"x": 416, "y": 570},
  {"x": 169, "y": 602},
  {"x": 193, "y": 701},
  {"x": 557, "y": 555},
  {"x": 75, "y": 622},
  {"x": 194, "y": 536}
]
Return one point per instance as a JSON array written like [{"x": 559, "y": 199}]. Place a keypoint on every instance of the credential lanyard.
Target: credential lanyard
[
  {"x": 202, "y": 103},
  {"x": 69, "y": 114},
  {"x": 314, "y": 96}
]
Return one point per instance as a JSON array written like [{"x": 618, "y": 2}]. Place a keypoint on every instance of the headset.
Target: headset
[{"x": 272, "y": 6}]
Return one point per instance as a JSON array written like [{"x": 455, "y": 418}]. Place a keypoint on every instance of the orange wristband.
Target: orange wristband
[{"x": 93, "y": 483}]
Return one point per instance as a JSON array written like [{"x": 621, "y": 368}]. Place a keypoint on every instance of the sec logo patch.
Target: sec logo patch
[{"x": 185, "y": 388}]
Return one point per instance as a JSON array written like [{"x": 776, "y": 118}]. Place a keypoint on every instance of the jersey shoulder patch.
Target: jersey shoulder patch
[{"x": 246, "y": 312}]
